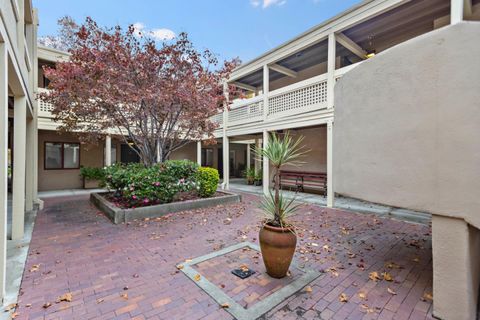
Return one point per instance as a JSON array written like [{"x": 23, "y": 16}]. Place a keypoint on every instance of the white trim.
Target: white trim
[
  {"x": 283, "y": 70},
  {"x": 350, "y": 45}
]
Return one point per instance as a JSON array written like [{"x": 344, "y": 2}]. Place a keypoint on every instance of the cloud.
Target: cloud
[
  {"x": 267, "y": 3},
  {"x": 157, "y": 34}
]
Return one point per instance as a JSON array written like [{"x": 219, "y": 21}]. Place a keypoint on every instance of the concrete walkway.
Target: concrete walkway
[
  {"x": 66, "y": 193},
  {"x": 344, "y": 203}
]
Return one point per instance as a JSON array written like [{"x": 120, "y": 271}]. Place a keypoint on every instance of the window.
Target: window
[{"x": 62, "y": 155}]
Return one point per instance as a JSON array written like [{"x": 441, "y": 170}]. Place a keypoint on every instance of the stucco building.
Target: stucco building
[{"x": 385, "y": 94}]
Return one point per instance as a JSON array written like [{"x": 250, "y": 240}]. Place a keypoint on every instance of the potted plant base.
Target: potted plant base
[{"x": 278, "y": 246}]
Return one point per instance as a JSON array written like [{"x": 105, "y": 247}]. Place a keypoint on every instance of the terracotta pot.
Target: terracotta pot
[{"x": 277, "y": 246}]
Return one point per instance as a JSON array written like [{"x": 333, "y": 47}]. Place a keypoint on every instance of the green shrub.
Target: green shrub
[
  {"x": 89, "y": 173},
  {"x": 207, "y": 181},
  {"x": 141, "y": 186}
]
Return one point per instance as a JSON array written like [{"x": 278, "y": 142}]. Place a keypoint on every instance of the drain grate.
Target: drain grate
[{"x": 243, "y": 273}]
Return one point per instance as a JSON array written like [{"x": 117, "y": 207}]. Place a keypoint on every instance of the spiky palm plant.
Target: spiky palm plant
[{"x": 280, "y": 152}]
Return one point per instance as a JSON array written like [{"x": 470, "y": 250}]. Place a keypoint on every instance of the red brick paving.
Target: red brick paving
[
  {"x": 128, "y": 271},
  {"x": 251, "y": 290}
]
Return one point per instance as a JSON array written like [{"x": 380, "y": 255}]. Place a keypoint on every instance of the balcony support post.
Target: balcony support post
[
  {"x": 199, "y": 152},
  {"x": 266, "y": 89},
  {"x": 3, "y": 166},
  {"x": 248, "y": 156},
  {"x": 108, "y": 151},
  {"x": 258, "y": 161},
  {"x": 29, "y": 170},
  {"x": 456, "y": 11},
  {"x": 18, "y": 188},
  {"x": 225, "y": 142},
  {"x": 330, "y": 191},
  {"x": 266, "y": 165},
  {"x": 331, "y": 70}
]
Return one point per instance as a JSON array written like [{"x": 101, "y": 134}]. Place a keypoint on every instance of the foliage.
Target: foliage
[
  {"x": 207, "y": 179},
  {"x": 159, "y": 97},
  {"x": 280, "y": 152},
  {"x": 140, "y": 185},
  {"x": 92, "y": 173},
  {"x": 259, "y": 175},
  {"x": 250, "y": 174}
]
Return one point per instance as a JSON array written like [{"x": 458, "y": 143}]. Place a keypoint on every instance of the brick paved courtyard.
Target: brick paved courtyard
[{"x": 380, "y": 268}]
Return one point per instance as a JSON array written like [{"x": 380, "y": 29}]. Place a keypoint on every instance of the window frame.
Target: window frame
[{"x": 62, "y": 155}]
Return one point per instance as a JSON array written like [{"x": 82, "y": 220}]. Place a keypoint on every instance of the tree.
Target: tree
[{"x": 156, "y": 97}]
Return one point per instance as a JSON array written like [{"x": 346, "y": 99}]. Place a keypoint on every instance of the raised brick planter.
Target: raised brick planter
[{"x": 119, "y": 215}]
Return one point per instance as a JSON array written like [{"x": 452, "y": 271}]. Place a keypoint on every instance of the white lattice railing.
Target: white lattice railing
[
  {"x": 303, "y": 96},
  {"x": 44, "y": 109},
  {"x": 246, "y": 111},
  {"x": 218, "y": 118}
]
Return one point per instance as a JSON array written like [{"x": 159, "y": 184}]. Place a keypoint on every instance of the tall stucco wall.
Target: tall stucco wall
[{"x": 407, "y": 125}]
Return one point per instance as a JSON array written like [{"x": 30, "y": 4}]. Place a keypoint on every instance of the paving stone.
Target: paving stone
[{"x": 79, "y": 250}]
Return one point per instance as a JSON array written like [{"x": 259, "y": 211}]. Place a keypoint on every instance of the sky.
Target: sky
[{"x": 229, "y": 28}]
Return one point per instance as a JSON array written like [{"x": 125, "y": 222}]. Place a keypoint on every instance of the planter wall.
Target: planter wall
[
  {"x": 90, "y": 184},
  {"x": 119, "y": 215}
]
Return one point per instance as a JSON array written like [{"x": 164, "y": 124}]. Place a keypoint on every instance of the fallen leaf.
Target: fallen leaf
[
  {"x": 416, "y": 259},
  {"x": 427, "y": 296},
  {"x": 374, "y": 276},
  {"x": 66, "y": 297},
  {"x": 34, "y": 268},
  {"x": 225, "y": 305},
  {"x": 343, "y": 298},
  {"x": 47, "y": 305},
  {"x": 362, "y": 295},
  {"x": 391, "y": 291},
  {"x": 100, "y": 300},
  {"x": 308, "y": 289},
  {"x": 392, "y": 265},
  {"x": 180, "y": 267},
  {"x": 313, "y": 244},
  {"x": 124, "y": 296},
  {"x": 10, "y": 307},
  {"x": 387, "y": 276},
  {"x": 197, "y": 277},
  {"x": 367, "y": 309}
]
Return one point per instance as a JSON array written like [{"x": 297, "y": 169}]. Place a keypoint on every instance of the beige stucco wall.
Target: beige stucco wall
[
  {"x": 90, "y": 156},
  {"x": 406, "y": 133},
  {"x": 315, "y": 141}
]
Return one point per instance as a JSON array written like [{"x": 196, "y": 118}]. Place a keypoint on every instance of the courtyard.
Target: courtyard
[{"x": 81, "y": 266}]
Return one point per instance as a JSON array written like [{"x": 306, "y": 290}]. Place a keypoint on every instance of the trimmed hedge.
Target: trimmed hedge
[{"x": 207, "y": 179}]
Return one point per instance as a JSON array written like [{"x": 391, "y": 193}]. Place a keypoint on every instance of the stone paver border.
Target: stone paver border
[
  {"x": 119, "y": 215},
  {"x": 235, "y": 309}
]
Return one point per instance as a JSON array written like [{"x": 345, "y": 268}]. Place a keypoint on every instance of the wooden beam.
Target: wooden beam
[
  {"x": 244, "y": 86},
  {"x": 349, "y": 44},
  {"x": 283, "y": 70}
]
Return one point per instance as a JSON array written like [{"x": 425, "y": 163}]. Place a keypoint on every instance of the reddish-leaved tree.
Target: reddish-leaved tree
[{"x": 157, "y": 98}]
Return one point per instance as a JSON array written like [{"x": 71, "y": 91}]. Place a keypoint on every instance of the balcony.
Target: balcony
[
  {"x": 44, "y": 109},
  {"x": 303, "y": 97}
]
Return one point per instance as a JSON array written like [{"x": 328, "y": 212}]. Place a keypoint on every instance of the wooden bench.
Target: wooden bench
[{"x": 301, "y": 180}]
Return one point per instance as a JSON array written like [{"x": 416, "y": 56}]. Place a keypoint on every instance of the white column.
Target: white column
[
  {"x": 29, "y": 170},
  {"x": 248, "y": 155},
  {"x": 18, "y": 189},
  {"x": 266, "y": 89},
  {"x": 266, "y": 166},
  {"x": 331, "y": 70},
  {"x": 108, "y": 151},
  {"x": 3, "y": 166},
  {"x": 225, "y": 142},
  {"x": 330, "y": 192},
  {"x": 199, "y": 153},
  {"x": 258, "y": 161},
  {"x": 226, "y": 163},
  {"x": 456, "y": 11}
]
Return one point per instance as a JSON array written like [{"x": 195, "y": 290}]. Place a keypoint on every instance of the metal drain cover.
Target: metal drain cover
[{"x": 243, "y": 273}]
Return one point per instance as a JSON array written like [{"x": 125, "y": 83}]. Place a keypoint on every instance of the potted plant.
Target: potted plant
[
  {"x": 258, "y": 178},
  {"x": 92, "y": 177},
  {"x": 250, "y": 175},
  {"x": 277, "y": 237}
]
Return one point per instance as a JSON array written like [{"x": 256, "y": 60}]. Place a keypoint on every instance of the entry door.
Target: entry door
[
  {"x": 220, "y": 162},
  {"x": 232, "y": 163}
]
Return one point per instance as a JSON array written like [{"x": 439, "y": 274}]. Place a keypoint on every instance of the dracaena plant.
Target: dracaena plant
[{"x": 280, "y": 151}]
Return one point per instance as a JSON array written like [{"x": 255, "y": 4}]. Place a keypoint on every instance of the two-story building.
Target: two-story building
[
  {"x": 18, "y": 132},
  {"x": 290, "y": 88}
]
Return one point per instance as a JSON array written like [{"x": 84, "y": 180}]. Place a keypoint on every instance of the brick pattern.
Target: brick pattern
[
  {"x": 128, "y": 271},
  {"x": 251, "y": 290}
]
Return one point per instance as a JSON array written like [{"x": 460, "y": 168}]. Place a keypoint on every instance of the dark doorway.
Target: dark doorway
[
  {"x": 220, "y": 162},
  {"x": 127, "y": 155}
]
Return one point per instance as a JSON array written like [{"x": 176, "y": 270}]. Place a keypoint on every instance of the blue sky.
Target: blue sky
[{"x": 230, "y": 28}]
